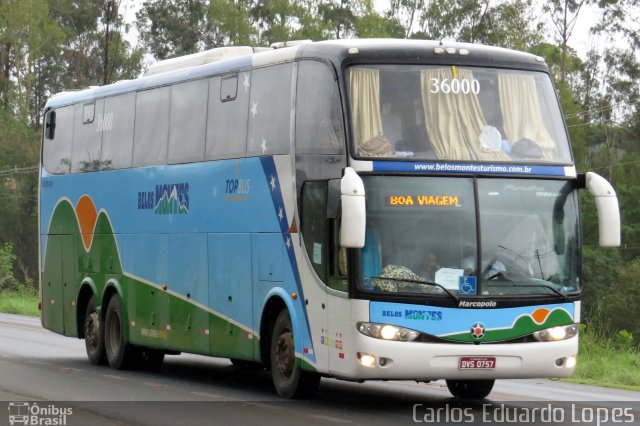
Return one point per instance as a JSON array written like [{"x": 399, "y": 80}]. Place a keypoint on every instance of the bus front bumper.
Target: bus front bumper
[{"x": 394, "y": 360}]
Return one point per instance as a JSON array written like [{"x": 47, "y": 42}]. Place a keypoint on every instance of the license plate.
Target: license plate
[{"x": 477, "y": 362}]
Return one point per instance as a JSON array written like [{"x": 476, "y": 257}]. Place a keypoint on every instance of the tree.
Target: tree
[
  {"x": 171, "y": 28},
  {"x": 564, "y": 17}
]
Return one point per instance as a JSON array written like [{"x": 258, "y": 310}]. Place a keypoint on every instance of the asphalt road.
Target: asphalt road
[{"x": 52, "y": 373}]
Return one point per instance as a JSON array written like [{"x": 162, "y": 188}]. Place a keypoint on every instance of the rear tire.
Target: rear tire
[
  {"x": 289, "y": 379},
  {"x": 94, "y": 334},
  {"x": 119, "y": 353},
  {"x": 470, "y": 389}
]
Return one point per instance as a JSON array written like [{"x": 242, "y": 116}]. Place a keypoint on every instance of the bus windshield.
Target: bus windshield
[
  {"x": 456, "y": 113},
  {"x": 422, "y": 236}
]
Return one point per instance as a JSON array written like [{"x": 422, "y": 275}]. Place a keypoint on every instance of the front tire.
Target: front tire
[
  {"x": 470, "y": 389},
  {"x": 289, "y": 379},
  {"x": 119, "y": 353},
  {"x": 94, "y": 334}
]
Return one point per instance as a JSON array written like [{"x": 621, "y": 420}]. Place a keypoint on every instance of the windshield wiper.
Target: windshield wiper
[
  {"x": 425, "y": 282},
  {"x": 547, "y": 286}
]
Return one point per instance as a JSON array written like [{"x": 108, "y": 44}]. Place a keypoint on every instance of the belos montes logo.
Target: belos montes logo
[{"x": 167, "y": 199}]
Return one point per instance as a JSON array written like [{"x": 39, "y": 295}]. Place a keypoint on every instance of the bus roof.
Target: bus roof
[{"x": 339, "y": 52}]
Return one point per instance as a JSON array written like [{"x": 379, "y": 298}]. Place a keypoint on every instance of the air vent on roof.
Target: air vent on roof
[
  {"x": 201, "y": 58},
  {"x": 281, "y": 44}
]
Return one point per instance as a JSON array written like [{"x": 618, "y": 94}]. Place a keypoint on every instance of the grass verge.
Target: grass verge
[
  {"x": 612, "y": 362},
  {"x": 21, "y": 302}
]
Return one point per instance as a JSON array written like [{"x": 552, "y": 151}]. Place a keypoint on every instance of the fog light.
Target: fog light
[
  {"x": 559, "y": 362},
  {"x": 366, "y": 360},
  {"x": 571, "y": 361}
]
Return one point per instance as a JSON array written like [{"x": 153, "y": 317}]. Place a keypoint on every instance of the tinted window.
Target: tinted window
[
  {"x": 314, "y": 225},
  {"x": 319, "y": 126},
  {"x": 57, "y": 151},
  {"x": 188, "y": 121},
  {"x": 456, "y": 113},
  {"x": 227, "y": 121},
  {"x": 117, "y": 131},
  {"x": 270, "y": 110},
  {"x": 87, "y": 136},
  {"x": 152, "y": 127}
]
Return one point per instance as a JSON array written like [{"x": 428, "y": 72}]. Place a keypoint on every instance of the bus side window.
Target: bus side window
[
  {"x": 151, "y": 133},
  {"x": 117, "y": 139},
  {"x": 314, "y": 225},
  {"x": 269, "y": 111},
  {"x": 227, "y": 118},
  {"x": 319, "y": 126},
  {"x": 321, "y": 236},
  {"x": 87, "y": 137},
  {"x": 56, "y": 154},
  {"x": 188, "y": 121}
]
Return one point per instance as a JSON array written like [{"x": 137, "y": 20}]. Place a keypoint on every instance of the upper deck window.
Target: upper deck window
[{"x": 456, "y": 113}]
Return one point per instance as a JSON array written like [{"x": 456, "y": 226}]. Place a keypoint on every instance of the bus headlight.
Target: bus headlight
[
  {"x": 554, "y": 334},
  {"x": 387, "y": 331}
]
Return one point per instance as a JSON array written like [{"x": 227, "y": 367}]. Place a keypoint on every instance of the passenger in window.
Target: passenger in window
[{"x": 429, "y": 267}]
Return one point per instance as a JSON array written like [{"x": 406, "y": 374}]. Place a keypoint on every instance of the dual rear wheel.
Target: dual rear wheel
[{"x": 104, "y": 340}]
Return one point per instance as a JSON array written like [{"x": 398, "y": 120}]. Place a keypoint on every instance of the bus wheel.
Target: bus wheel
[
  {"x": 470, "y": 389},
  {"x": 288, "y": 378},
  {"x": 119, "y": 353},
  {"x": 94, "y": 335},
  {"x": 149, "y": 359}
]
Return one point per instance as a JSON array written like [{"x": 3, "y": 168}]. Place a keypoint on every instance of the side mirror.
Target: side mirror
[
  {"x": 608, "y": 211},
  {"x": 354, "y": 213}
]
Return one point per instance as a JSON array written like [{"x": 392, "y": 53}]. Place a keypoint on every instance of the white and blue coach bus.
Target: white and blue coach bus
[{"x": 359, "y": 209}]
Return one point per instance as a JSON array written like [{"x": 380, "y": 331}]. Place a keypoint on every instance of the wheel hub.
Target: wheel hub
[
  {"x": 285, "y": 354},
  {"x": 91, "y": 329}
]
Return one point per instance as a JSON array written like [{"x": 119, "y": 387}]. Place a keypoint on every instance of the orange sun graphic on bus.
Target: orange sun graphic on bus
[
  {"x": 540, "y": 315},
  {"x": 87, "y": 216}
]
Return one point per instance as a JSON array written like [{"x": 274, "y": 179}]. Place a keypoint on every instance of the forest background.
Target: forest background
[{"x": 47, "y": 46}]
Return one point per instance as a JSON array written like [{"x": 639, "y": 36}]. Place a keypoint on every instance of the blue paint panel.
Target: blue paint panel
[
  {"x": 178, "y": 260},
  {"x": 439, "y": 321},
  {"x": 146, "y": 253},
  {"x": 230, "y": 281},
  {"x": 488, "y": 169},
  {"x": 273, "y": 183},
  {"x": 222, "y": 197},
  {"x": 210, "y": 207}
]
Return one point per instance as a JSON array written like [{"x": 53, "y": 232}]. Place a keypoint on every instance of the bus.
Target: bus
[{"x": 356, "y": 209}]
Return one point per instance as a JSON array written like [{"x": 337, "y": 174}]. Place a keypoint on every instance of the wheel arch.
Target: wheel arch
[
  {"x": 274, "y": 303},
  {"x": 87, "y": 289}
]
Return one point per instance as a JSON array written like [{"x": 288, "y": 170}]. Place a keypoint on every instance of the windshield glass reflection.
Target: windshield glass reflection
[
  {"x": 421, "y": 237},
  {"x": 456, "y": 113}
]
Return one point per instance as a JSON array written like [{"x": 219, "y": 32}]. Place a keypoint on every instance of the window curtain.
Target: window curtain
[
  {"x": 454, "y": 121},
  {"x": 522, "y": 113},
  {"x": 365, "y": 104}
]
